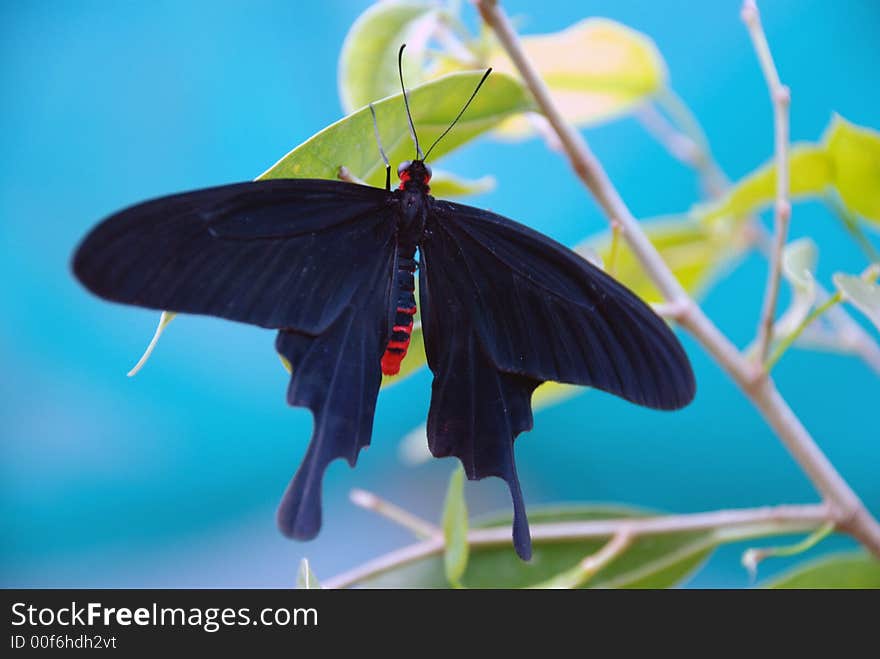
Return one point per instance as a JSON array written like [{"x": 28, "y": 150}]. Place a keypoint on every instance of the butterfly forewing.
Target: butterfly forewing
[{"x": 285, "y": 253}]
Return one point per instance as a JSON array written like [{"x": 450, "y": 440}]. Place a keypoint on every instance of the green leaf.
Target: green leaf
[
  {"x": 855, "y": 154},
  {"x": 659, "y": 561},
  {"x": 455, "y": 528},
  {"x": 862, "y": 294},
  {"x": 305, "y": 578},
  {"x": 695, "y": 252},
  {"x": 445, "y": 185},
  {"x": 350, "y": 142},
  {"x": 844, "y": 570},
  {"x": 811, "y": 172},
  {"x": 596, "y": 69},
  {"x": 368, "y": 61}
]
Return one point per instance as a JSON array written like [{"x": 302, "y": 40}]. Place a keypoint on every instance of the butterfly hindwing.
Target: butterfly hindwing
[
  {"x": 286, "y": 253},
  {"x": 505, "y": 309},
  {"x": 314, "y": 259},
  {"x": 337, "y": 375}
]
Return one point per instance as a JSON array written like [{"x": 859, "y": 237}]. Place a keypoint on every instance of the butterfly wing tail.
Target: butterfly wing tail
[
  {"x": 476, "y": 413},
  {"x": 337, "y": 376}
]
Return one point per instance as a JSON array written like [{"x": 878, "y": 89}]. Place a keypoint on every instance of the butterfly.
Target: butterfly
[{"x": 331, "y": 266}]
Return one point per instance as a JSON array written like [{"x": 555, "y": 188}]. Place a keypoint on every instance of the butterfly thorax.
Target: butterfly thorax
[{"x": 413, "y": 199}]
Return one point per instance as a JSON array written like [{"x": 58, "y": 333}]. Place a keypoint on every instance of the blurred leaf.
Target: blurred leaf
[
  {"x": 445, "y": 184},
  {"x": 695, "y": 252},
  {"x": 596, "y": 69},
  {"x": 862, "y": 294},
  {"x": 455, "y": 528},
  {"x": 798, "y": 265},
  {"x": 659, "y": 561},
  {"x": 846, "y": 570},
  {"x": 855, "y": 154},
  {"x": 368, "y": 61},
  {"x": 811, "y": 172},
  {"x": 351, "y": 141},
  {"x": 551, "y": 393},
  {"x": 847, "y": 159},
  {"x": 164, "y": 319},
  {"x": 305, "y": 578}
]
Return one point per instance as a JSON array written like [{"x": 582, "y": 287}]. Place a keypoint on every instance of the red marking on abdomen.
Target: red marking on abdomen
[{"x": 398, "y": 344}]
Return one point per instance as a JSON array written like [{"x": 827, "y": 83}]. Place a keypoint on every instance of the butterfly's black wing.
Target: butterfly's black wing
[
  {"x": 285, "y": 253},
  {"x": 504, "y": 309},
  {"x": 314, "y": 259}
]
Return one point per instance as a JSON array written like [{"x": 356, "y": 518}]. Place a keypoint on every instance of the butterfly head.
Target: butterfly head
[{"x": 414, "y": 174}]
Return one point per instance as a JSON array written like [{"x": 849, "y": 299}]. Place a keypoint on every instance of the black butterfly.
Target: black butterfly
[{"x": 331, "y": 264}]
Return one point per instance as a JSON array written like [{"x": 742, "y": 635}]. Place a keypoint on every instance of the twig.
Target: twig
[
  {"x": 753, "y": 556},
  {"x": 589, "y": 566},
  {"x": 736, "y": 525},
  {"x": 788, "y": 340},
  {"x": 780, "y": 96},
  {"x": 847, "y": 510},
  {"x": 420, "y": 528},
  {"x": 848, "y": 335}
]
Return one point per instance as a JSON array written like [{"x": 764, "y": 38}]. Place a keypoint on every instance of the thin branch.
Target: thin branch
[
  {"x": 848, "y": 510},
  {"x": 731, "y": 525},
  {"x": 780, "y": 96},
  {"x": 590, "y": 566},
  {"x": 788, "y": 340},
  {"x": 419, "y": 527},
  {"x": 753, "y": 556},
  {"x": 847, "y": 335}
]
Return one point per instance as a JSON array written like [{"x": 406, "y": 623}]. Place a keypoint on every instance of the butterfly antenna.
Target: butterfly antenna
[
  {"x": 412, "y": 128},
  {"x": 454, "y": 121},
  {"x": 381, "y": 150}
]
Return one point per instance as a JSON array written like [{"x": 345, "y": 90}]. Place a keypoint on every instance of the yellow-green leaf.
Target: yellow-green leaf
[
  {"x": 368, "y": 61},
  {"x": 350, "y": 142},
  {"x": 844, "y": 570},
  {"x": 811, "y": 172},
  {"x": 694, "y": 252},
  {"x": 855, "y": 154},
  {"x": 596, "y": 69},
  {"x": 847, "y": 160},
  {"x": 864, "y": 295},
  {"x": 445, "y": 185},
  {"x": 455, "y": 527}
]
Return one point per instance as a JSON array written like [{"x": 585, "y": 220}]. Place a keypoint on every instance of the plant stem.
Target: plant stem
[
  {"x": 589, "y": 566},
  {"x": 780, "y": 98},
  {"x": 787, "y": 342},
  {"x": 736, "y": 524},
  {"x": 418, "y": 526},
  {"x": 751, "y": 557},
  {"x": 846, "y": 508}
]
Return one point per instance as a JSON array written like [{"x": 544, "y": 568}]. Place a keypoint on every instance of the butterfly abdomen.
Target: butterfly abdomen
[{"x": 401, "y": 331}]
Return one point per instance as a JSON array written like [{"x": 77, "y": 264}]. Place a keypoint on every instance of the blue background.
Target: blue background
[{"x": 172, "y": 478}]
